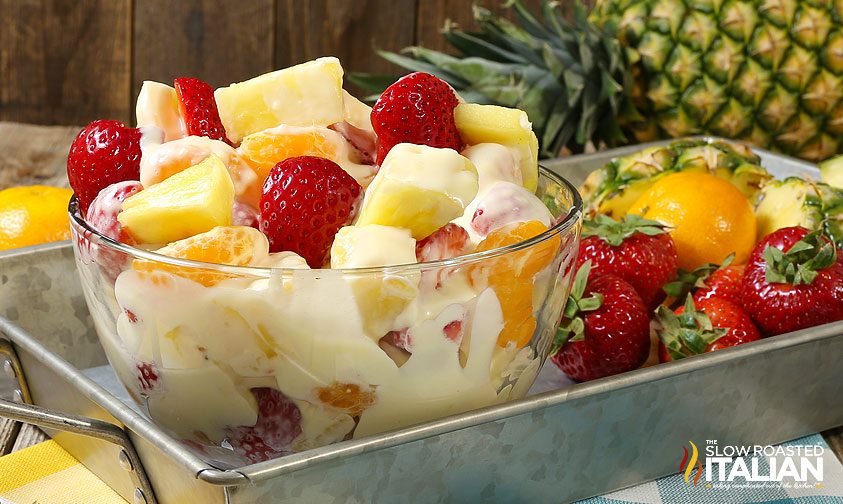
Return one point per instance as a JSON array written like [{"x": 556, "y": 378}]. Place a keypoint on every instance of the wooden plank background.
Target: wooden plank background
[{"x": 72, "y": 61}]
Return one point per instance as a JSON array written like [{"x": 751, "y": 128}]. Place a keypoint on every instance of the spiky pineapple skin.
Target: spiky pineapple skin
[
  {"x": 613, "y": 188},
  {"x": 769, "y": 72}
]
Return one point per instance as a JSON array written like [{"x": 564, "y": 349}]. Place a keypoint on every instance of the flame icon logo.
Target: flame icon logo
[{"x": 688, "y": 466}]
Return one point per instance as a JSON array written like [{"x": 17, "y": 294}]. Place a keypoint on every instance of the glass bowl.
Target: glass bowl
[{"x": 248, "y": 364}]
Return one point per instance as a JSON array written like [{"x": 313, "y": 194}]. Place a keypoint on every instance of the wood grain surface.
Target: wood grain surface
[
  {"x": 218, "y": 41},
  {"x": 64, "y": 61},
  {"x": 73, "y": 61}
]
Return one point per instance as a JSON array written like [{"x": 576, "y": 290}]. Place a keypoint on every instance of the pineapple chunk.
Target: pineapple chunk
[
  {"x": 380, "y": 298},
  {"x": 419, "y": 188},
  {"x": 507, "y": 126},
  {"x": 831, "y": 171},
  {"x": 309, "y": 94},
  {"x": 357, "y": 113},
  {"x": 188, "y": 203},
  {"x": 158, "y": 106}
]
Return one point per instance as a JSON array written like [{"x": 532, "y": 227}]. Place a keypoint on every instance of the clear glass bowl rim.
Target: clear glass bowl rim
[{"x": 573, "y": 216}]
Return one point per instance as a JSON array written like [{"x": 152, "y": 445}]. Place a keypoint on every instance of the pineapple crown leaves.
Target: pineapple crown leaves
[
  {"x": 573, "y": 326},
  {"x": 689, "y": 333},
  {"x": 615, "y": 232},
  {"x": 686, "y": 281},
  {"x": 571, "y": 78},
  {"x": 800, "y": 264}
]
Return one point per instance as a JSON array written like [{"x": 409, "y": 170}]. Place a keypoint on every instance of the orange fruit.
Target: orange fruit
[
  {"x": 232, "y": 245},
  {"x": 348, "y": 397},
  {"x": 264, "y": 150},
  {"x": 30, "y": 215},
  {"x": 511, "y": 277},
  {"x": 708, "y": 216}
]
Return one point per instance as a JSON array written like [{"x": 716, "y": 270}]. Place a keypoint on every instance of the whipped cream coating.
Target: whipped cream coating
[{"x": 298, "y": 331}]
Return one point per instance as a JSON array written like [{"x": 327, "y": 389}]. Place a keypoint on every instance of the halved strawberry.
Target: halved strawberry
[
  {"x": 278, "y": 424},
  {"x": 103, "y": 153},
  {"x": 449, "y": 241},
  {"x": 305, "y": 201},
  {"x": 199, "y": 109},
  {"x": 418, "y": 108}
]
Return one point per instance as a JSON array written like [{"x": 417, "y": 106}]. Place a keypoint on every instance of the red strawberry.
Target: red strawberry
[
  {"x": 103, "y": 153},
  {"x": 418, "y": 108},
  {"x": 277, "y": 426},
  {"x": 148, "y": 377},
  {"x": 102, "y": 212},
  {"x": 305, "y": 201},
  {"x": 724, "y": 283},
  {"x": 199, "y": 109},
  {"x": 605, "y": 329},
  {"x": 637, "y": 250},
  {"x": 708, "y": 325},
  {"x": 792, "y": 281},
  {"x": 449, "y": 241}
]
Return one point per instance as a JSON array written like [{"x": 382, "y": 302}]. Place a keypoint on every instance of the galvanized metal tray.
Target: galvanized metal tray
[{"x": 563, "y": 442}]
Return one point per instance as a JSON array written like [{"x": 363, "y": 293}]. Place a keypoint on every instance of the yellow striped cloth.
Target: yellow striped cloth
[{"x": 47, "y": 474}]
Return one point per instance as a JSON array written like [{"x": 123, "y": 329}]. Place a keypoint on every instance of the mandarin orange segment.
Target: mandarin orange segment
[
  {"x": 511, "y": 277},
  {"x": 264, "y": 150},
  {"x": 348, "y": 397},
  {"x": 231, "y": 245}
]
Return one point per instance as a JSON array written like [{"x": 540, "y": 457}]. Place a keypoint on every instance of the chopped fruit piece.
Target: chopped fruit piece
[
  {"x": 446, "y": 242},
  {"x": 793, "y": 280},
  {"x": 372, "y": 246},
  {"x": 638, "y": 251},
  {"x": 278, "y": 425},
  {"x": 231, "y": 245},
  {"x": 158, "y": 105},
  {"x": 511, "y": 277},
  {"x": 494, "y": 163},
  {"x": 506, "y": 126},
  {"x": 302, "y": 95},
  {"x": 419, "y": 109},
  {"x": 199, "y": 109},
  {"x": 605, "y": 328},
  {"x": 713, "y": 324},
  {"x": 163, "y": 160},
  {"x": 103, "y": 153},
  {"x": 190, "y": 202},
  {"x": 379, "y": 298},
  {"x": 348, "y": 397},
  {"x": 357, "y": 113},
  {"x": 265, "y": 149},
  {"x": 102, "y": 213},
  {"x": 505, "y": 203},
  {"x": 363, "y": 143},
  {"x": 305, "y": 201},
  {"x": 419, "y": 188},
  {"x": 148, "y": 377},
  {"x": 244, "y": 215}
]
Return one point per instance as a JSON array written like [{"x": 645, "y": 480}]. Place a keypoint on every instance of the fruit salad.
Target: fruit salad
[{"x": 274, "y": 266}]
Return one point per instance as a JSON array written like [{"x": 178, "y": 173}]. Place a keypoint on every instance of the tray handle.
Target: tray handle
[{"x": 21, "y": 410}]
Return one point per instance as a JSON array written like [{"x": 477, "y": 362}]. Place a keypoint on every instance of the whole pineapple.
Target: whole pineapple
[{"x": 766, "y": 71}]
